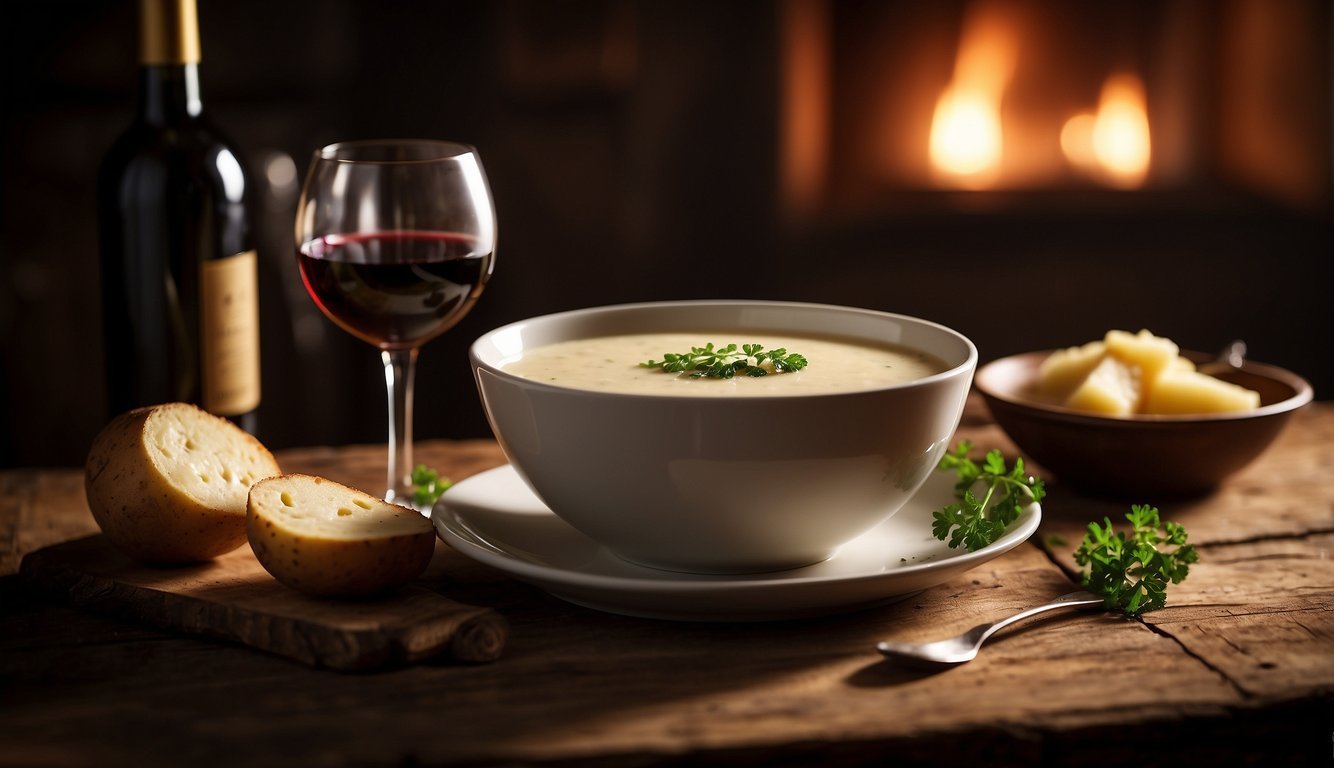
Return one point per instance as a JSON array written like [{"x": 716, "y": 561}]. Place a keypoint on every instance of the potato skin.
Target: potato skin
[
  {"x": 141, "y": 512},
  {"x": 327, "y": 567}
]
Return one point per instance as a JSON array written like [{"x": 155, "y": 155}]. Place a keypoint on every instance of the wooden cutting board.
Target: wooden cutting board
[{"x": 235, "y": 599}]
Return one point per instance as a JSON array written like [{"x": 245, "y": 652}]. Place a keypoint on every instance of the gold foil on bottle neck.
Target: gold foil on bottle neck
[{"x": 168, "y": 32}]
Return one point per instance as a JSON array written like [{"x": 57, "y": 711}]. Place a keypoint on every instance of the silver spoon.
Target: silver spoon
[
  {"x": 1230, "y": 359},
  {"x": 957, "y": 650}
]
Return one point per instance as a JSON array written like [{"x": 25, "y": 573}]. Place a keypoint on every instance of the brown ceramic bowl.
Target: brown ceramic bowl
[{"x": 1140, "y": 458}]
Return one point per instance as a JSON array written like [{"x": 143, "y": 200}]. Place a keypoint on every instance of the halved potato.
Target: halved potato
[
  {"x": 168, "y": 483},
  {"x": 322, "y": 538}
]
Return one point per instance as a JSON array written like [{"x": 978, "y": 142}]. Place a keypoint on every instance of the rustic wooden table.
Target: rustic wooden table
[{"x": 1238, "y": 668}]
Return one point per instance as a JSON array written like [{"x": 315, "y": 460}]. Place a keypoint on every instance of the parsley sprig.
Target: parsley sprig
[
  {"x": 1132, "y": 574},
  {"x": 427, "y": 485},
  {"x": 976, "y": 522},
  {"x": 728, "y": 361}
]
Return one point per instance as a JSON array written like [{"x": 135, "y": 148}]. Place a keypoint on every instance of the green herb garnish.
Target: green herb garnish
[
  {"x": 726, "y": 362},
  {"x": 975, "y": 522},
  {"x": 427, "y": 485},
  {"x": 1132, "y": 574}
]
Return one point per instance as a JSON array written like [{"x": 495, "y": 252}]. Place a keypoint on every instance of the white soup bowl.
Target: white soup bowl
[{"x": 723, "y": 484}]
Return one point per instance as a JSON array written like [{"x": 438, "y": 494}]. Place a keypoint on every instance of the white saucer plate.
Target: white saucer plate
[{"x": 494, "y": 518}]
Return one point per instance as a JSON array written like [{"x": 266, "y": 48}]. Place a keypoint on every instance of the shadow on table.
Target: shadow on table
[{"x": 888, "y": 672}]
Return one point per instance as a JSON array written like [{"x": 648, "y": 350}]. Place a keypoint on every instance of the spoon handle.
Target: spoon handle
[{"x": 1072, "y": 600}]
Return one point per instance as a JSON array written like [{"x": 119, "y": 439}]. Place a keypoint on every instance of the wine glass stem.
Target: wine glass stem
[{"x": 400, "y": 365}]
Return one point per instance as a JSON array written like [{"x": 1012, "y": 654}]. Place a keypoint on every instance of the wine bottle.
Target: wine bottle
[{"x": 179, "y": 273}]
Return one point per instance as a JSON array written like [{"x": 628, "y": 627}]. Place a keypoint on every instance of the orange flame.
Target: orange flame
[
  {"x": 1112, "y": 144},
  {"x": 966, "y": 134},
  {"x": 967, "y": 143}
]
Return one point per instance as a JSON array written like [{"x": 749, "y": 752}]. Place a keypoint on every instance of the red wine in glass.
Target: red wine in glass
[{"x": 395, "y": 290}]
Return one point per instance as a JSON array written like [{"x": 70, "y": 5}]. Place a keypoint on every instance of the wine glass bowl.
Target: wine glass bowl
[
  {"x": 394, "y": 290},
  {"x": 395, "y": 241}
]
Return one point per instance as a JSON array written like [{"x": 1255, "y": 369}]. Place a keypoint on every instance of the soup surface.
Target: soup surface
[{"x": 612, "y": 364}]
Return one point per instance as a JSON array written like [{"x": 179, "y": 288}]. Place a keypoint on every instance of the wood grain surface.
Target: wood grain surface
[
  {"x": 233, "y": 598},
  {"x": 1237, "y": 669}
]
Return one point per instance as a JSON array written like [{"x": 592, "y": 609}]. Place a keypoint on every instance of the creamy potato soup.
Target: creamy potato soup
[{"x": 611, "y": 364}]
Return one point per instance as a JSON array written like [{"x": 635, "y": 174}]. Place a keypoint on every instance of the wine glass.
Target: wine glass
[{"x": 395, "y": 241}]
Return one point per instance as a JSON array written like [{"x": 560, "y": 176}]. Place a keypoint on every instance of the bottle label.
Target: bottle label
[{"x": 229, "y": 334}]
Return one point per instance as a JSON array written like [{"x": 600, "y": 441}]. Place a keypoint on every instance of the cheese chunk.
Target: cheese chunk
[
  {"x": 322, "y": 538},
  {"x": 1150, "y": 354},
  {"x": 1137, "y": 373},
  {"x": 1065, "y": 369},
  {"x": 168, "y": 483},
  {"x": 1112, "y": 389},
  {"x": 1190, "y": 392}
]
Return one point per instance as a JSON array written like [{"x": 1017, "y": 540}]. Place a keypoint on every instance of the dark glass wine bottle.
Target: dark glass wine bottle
[{"x": 179, "y": 273}]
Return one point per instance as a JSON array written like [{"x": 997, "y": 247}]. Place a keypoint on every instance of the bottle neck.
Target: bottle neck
[
  {"x": 169, "y": 53},
  {"x": 169, "y": 93}
]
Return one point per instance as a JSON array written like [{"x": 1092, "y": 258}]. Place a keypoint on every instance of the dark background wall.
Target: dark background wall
[{"x": 634, "y": 153}]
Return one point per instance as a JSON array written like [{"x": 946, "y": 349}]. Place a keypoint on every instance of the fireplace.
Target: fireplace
[{"x": 1023, "y": 96}]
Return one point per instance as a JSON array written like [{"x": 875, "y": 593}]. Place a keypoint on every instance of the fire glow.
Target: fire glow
[
  {"x": 971, "y": 146},
  {"x": 967, "y": 140},
  {"x": 1112, "y": 144}
]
